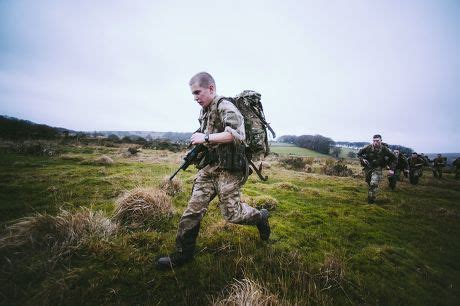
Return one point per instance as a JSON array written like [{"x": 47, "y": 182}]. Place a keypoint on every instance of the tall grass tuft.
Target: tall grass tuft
[
  {"x": 143, "y": 207},
  {"x": 62, "y": 233},
  {"x": 246, "y": 292},
  {"x": 171, "y": 187}
]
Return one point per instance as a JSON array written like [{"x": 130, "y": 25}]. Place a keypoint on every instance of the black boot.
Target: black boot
[
  {"x": 263, "y": 226},
  {"x": 370, "y": 200},
  {"x": 173, "y": 260}
]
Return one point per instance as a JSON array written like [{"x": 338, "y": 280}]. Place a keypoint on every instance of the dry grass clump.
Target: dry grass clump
[
  {"x": 171, "y": 187},
  {"x": 332, "y": 271},
  {"x": 103, "y": 160},
  {"x": 246, "y": 292},
  {"x": 143, "y": 206},
  {"x": 62, "y": 233},
  {"x": 264, "y": 201},
  {"x": 287, "y": 186},
  {"x": 71, "y": 157}
]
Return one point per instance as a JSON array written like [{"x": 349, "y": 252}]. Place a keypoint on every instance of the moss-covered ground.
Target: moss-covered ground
[{"x": 328, "y": 246}]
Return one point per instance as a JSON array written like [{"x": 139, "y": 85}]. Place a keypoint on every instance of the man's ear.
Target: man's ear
[{"x": 212, "y": 88}]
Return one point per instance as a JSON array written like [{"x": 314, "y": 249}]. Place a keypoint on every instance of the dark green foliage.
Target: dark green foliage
[
  {"x": 16, "y": 129},
  {"x": 293, "y": 162}
]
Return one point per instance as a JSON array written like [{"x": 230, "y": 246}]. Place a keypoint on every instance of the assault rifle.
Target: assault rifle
[{"x": 190, "y": 158}]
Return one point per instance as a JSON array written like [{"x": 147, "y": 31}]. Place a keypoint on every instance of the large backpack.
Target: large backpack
[{"x": 249, "y": 104}]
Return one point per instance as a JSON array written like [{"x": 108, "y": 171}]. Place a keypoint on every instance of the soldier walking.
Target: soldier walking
[
  {"x": 438, "y": 163},
  {"x": 222, "y": 132},
  {"x": 456, "y": 164},
  {"x": 374, "y": 158},
  {"x": 401, "y": 166},
  {"x": 415, "y": 167}
]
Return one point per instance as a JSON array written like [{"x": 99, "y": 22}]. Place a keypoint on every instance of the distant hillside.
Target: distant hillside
[
  {"x": 17, "y": 129},
  {"x": 148, "y": 135}
]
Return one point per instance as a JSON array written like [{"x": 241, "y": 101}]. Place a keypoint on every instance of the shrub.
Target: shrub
[
  {"x": 171, "y": 187},
  {"x": 338, "y": 168},
  {"x": 246, "y": 292},
  {"x": 143, "y": 207},
  {"x": 293, "y": 162},
  {"x": 133, "y": 150}
]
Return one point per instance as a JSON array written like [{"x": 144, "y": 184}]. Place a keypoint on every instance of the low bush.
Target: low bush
[{"x": 293, "y": 162}]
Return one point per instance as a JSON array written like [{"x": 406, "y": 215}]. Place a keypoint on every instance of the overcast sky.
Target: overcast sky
[{"x": 342, "y": 69}]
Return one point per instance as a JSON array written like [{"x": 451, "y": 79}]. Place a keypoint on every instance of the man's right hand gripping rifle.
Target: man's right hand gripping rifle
[{"x": 194, "y": 156}]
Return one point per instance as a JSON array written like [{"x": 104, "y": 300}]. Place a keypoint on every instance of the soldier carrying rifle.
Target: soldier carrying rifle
[
  {"x": 374, "y": 158},
  {"x": 222, "y": 171}
]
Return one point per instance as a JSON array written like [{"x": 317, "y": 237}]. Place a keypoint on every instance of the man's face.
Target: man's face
[
  {"x": 202, "y": 95},
  {"x": 439, "y": 155},
  {"x": 396, "y": 152},
  {"x": 376, "y": 142},
  {"x": 414, "y": 155}
]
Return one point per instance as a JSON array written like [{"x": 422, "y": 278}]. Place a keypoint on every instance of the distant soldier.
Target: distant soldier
[
  {"x": 426, "y": 162},
  {"x": 438, "y": 163},
  {"x": 401, "y": 166},
  {"x": 456, "y": 164},
  {"x": 415, "y": 167},
  {"x": 374, "y": 158}
]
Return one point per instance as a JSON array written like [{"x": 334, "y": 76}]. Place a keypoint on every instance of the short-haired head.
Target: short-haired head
[
  {"x": 203, "y": 79},
  {"x": 377, "y": 136}
]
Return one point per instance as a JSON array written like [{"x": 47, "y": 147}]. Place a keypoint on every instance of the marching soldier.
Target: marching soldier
[
  {"x": 401, "y": 166},
  {"x": 374, "y": 158}
]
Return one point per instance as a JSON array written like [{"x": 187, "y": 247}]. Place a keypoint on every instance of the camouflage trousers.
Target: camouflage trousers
[
  {"x": 437, "y": 172},
  {"x": 392, "y": 179},
  {"x": 373, "y": 178},
  {"x": 209, "y": 183}
]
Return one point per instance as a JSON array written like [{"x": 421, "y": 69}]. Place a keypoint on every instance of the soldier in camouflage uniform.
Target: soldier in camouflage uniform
[
  {"x": 438, "y": 163},
  {"x": 416, "y": 163},
  {"x": 221, "y": 171},
  {"x": 427, "y": 163},
  {"x": 374, "y": 158},
  {"x": 401, "y": 165},
  {"x": 456, "y": 164}
]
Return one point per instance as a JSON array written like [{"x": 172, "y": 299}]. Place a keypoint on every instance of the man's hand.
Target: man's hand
[
  {"x": 391, "y": 172},
  {"x": 197, "y": 138},
  {"x": 366, "y": 162}
]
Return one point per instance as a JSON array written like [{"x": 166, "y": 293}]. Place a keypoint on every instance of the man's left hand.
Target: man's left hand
[
  {"x": 197, "y": 138},
  {"x": 391, "y": 172}
]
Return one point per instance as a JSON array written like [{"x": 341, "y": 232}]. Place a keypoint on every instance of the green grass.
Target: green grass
[
  {"x": 403, "y": 250},
  {"x": 290, "y": 149}
]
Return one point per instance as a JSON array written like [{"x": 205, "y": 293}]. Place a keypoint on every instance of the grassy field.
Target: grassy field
[
  {"x": 290, "y": 149},
  {"x": 328, "y": 246}
]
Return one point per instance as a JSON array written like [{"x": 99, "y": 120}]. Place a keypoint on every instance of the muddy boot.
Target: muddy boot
[
  {"x": 263, "y": 226},
  {"x": 174, "y": 260}
]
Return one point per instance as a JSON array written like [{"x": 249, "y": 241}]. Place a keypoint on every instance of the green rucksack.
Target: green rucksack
[{"x": 249, "y": 104}]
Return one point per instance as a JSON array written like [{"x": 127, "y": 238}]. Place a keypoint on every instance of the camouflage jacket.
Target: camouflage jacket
[
  {"x": 416, "y": 162},
  {"x": 378, "y": 158},
  {"x": 456, "y": 162},
  {"x": 439, "y": 162},
  {"x": 220, "y": 117},
  {"x": 402, "y": 163}
]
